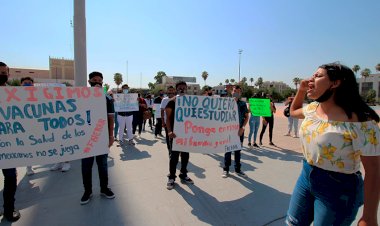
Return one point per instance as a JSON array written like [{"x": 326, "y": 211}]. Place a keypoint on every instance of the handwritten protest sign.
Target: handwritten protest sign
[
  {"x": 206, "y": 124},
  {"x": 260, "y": 107},
  {"x": 157, "y": 110},
  {"x": 41, "y": 125},
  {"x": 126, "y": 102}
]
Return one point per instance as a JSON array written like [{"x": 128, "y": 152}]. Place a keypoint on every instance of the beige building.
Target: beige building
[
  {"x": 60, "y": 70},
  {"x": 192, "y": 87},
  {"x": 371, "y": 82}
]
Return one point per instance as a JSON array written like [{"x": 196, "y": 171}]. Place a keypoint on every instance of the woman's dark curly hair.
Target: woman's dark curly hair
[{"x": 347, "y": 93}]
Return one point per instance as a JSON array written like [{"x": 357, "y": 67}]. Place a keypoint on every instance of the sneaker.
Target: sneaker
[
  {"x": 56, "y": 166},
  {"x": 115, "y": 138},
  {"x": 261, "y": 143},
  {"x": 249, "y": 144},
  {"x": 255, "y": 145},
  {"x": 271, "y": 143},
  {"x": 131, "y": 142},
  {"x": 241, "y": 174},
  {"x": 107, "y": 193},
  {"x": 170, "y": 184},
  {"x": 66, "y": 167},
  {"x": 85, "y": 198},
  {"x": 187, "y": 180},
  {"x": 139, "y": 136},
  {"x": 13, "y": 216},
  {"x": 295, "y": 136},
  {"x": 225, "y": 174},
  {"x": 29, "y": 171},
  {"x": 287, "y": 134}
]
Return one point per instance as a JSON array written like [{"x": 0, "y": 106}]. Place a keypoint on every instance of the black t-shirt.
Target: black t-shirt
[
  {"x": 110, "y": 107},
  {"x": 171, "y": 105},
  {"x": 157, "y": 100}
]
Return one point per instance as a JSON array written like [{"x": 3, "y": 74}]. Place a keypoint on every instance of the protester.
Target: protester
[
  {"x": 181, "y": 88},
  {"x": 96, "y": 80},
  {"x": 171, "y": 93},
  {"x": 268, "y": 120},
  {"x": 254, "y": 124},
  {"x": 10, "y": 175},
  {"x": 158, "y": 127},
  {"x": 243, "y": 120},
  {"x": 291, "y": 120},
  {"x": 138, "y": 116},
  {"x": 149, "y": 104},
  {"x": 339, "y": 131},
  {"x": 125, "y": 120},
  {"x": 116, "y": 127},
  {"x": 207, "y": 91}
]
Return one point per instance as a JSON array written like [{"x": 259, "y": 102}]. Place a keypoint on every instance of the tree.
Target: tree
[
  {"x": 259, "y": 82},
  {"x": 296, "y": 82},
  {"x": 220, "y": 84},
  {"x": 151, "y": 86},
  {"x": 356, "y": 68},
  {"x": 205, "y": 76},
  {"x": 107, "y": 86},
  {"x": 232, "y": 80},
  {"x": 371, "y": 96},
  {"x": 118, "y": 78},
  {"x": 14, "y": 82},
  {"x": 377, "y": 67},
  {"x": 365, "y": 73},
  {"x": 251, "y": 80},
  {"x": 159, "y": 76},
  {"x": 244, "y": 80},
  {"x": 227, "y": 81}
]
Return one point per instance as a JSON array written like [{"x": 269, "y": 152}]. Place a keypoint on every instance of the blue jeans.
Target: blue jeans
[
  {"x": 293, "y": 122},
  {"x": 101, "y": 161},
  {"x": 254, "y": 124},
  {"x": 325, "y": 197},
  {"x": 9, "y": 191},
  {"x": 116, "y": 128}
]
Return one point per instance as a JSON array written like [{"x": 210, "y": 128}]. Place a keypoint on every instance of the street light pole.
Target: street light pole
[{"x": 240, "y": 51}]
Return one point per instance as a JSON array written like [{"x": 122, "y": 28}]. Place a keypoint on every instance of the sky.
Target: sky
[{"x": 280, "y": 39}]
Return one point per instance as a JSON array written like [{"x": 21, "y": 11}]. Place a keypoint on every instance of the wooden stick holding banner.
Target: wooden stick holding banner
[
  {"x": 206, "y": 124},
  {"x": 42, "y": 125}
]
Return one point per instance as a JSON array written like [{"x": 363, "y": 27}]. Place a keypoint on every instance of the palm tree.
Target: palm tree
[
  {"x": 204, "y": 76},
  {"x": 365, "y": 73},
  {"x": 259, "y": 82},
  {"x": 377, "y": 67},
  {"x": 232, "y": 80},
  {"x": 151, "y": 86},
  {"x": 118, "y": 78},
  {"x": 227, "y": 81},
  {"x": 159, "y": 76},
  {"x": 220, "y": 84},
  {"x": 244, "y": 80},
  {"x": 356, "y": 68},
  {"x": 251, "y": 80},
  {"x": 296, "y": 82}
]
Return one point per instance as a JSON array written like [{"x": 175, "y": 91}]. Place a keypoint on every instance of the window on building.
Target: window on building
[{"x": 366, "y": 86}]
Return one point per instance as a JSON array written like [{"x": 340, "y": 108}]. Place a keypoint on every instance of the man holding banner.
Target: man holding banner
[
  {"x": 96, "y": 80},
  {"x": 243, "y": 120},
  {"x": 10, "y": 175},
  {"x": 181, "y": 88}
]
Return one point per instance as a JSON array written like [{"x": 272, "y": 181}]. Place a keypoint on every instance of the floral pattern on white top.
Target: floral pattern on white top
[{"x": 337, "y": 146}]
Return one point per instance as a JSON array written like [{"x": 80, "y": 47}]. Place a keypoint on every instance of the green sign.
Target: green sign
[{"x": 260, "y": 107}]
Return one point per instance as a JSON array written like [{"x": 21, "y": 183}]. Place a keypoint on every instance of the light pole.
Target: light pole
[{"x": 240, "y": 51}]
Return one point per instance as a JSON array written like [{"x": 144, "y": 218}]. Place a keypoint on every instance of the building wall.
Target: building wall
[
  {"x": 61, "y": 68},
  {"x": 371, "y": 82},
  {"x": 192, "y": 88}
]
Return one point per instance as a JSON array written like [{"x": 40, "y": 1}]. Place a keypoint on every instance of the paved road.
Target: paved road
[{"x": 137, "y": 175}]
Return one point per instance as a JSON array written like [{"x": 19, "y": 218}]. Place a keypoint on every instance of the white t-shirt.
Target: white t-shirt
[
  {"x": 149, "y": 103},
  {"x": 164, "y": 102}
]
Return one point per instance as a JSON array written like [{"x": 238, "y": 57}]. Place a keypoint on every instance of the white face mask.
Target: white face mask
[{"x": 125, "y": 91}]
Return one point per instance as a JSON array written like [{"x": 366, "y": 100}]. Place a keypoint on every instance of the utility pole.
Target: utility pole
[
  {"x": 80, "y": 52},
  {"x": 240, "y": 51}
]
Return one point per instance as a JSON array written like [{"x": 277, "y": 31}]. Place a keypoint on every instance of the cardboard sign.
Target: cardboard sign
[
  {"x": 157, "y": 110},
  {"x": 206, "y": 124},
  {"x": 126, "y": 102},
  {"x": 260, "y": 107},
  {"x": 42, "y": 125}
]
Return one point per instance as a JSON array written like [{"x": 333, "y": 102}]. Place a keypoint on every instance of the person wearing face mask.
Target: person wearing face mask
[
  {"x": 268, "y": 120},
  {"x": 125, "y": 120},
  {"x": 158, "y": 127},
  {"x": 338, "y": 133},
  {"x": 171, "y": 93},
  {"x": 207, "y": 91},
  {"x": 149, "y": 103},
  {"x": 181, "y": 88},
  {"x": 243, "y": 120},
  {"x": 10, "y": 175},
  {"x": 96, "y": 80}
]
